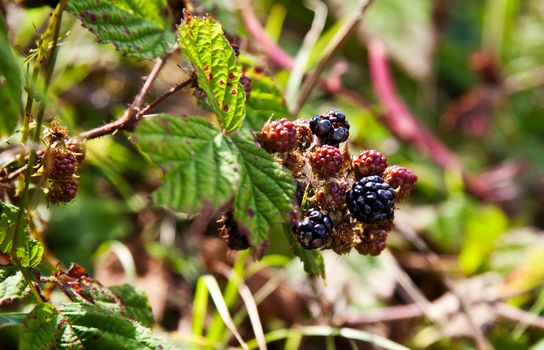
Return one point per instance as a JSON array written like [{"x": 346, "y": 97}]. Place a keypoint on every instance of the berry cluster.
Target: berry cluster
[
  {"x": 61, "y": 162},
  {"x": 352, "y": 200}
]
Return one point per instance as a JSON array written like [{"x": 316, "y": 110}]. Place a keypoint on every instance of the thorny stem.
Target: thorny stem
[
  {"x": 134, "y": 111},
  {"x": 18, "y": 231}
]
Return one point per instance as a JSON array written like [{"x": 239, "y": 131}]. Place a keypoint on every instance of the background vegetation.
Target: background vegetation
[{"x": 452, "y": 90}]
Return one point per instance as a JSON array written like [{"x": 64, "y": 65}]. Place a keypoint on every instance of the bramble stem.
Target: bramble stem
[{"x": 55, "y": 24}]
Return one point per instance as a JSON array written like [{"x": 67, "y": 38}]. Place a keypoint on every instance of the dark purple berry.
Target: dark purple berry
[
  {"x": 331, "y": 128},
  {"x": 314, "y": 231},
  {"x": 63, "y": 191},
  {"x": 60, "y": 164},
  {"x": 371, "y": 200}
]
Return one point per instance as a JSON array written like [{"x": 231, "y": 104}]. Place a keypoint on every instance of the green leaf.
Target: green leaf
[
  {"x": 265, "y": 191},
  {"x": 86, "y": 326},
  {"x": 312, "y": 260},
  {"x": 12, "y": 319},
  {"x": 197, "y": 159},
  {"x": 265, "y": 100},
  {"x": 217, "y": 68},
  {"x": 127, "y": 301},
  {"x": 29, "y": 251},
  {"x": 12, "y": 285},
  {"x": 11, "y": 82},
  {"x": 138, "y": 28},
  {"x": 482, "y": 228}
]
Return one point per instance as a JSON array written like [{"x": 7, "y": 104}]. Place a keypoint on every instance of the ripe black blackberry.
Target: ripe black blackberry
[
  {"x": 314, "y": 231},
  {"x": 228, "y": 230},
  {"x": 326, "y": 160},
  {"x": 369, "y": 162},
  {"x": 63, "y": 191},
  {"x": 331, "y": 128},
  {"x": 60, "y": 164},
  {"x": 401, "y": 179},
  {"x": 371, "y": 200},
  {"x": 278, "y": 136}
]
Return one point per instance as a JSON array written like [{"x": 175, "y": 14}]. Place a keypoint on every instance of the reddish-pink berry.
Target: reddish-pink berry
[
  {"x": 326, "y": 160},
  {"x": 401, "y": 179},
  {"x": 278, "y": 136},
  {"x": 369, "y": 162}
]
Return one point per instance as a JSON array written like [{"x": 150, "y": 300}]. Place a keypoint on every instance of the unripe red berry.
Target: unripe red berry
[
  {"x": 63, "y": 191},
  {"x": 369, "y": 162},
  {"x": 373, "y": 242},
  {"x": 78, "y": 149},
  {"x": 401, "y": 179},
  {"x": 326, "y": 160},
  {"x": 60, "y": 164},
  {"x": 278, "y": 136}
]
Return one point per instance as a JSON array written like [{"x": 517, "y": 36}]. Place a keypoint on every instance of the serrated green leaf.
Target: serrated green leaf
[
  {"x": 265, "y": 100},
  {"x": 137, "y": 28},
  {"x": 127, "y": 301},
  {"x": 265, "y": 191},
  {"x": 197, "y": 159},
  {"x": 11, "y": 83},
  {"x": 81, "y": 325},
  {"x": 217, "y": 68},
  {"x": 312, "y": 260},
  {"x": 29, "y": 251},
  {"x": 12, "y": 285}
]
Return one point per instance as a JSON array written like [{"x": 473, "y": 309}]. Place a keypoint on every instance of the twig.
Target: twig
[
  {"x": 405, "y": 229},
  {"x": 166, "y": 94},
  {"x": 132, "y": 113},
  {"x": 520, "y": 316},
  {"x": 301, "y": 60},
  {"x": 397, "y": 115},
  {"x": 331, "y": 48}
]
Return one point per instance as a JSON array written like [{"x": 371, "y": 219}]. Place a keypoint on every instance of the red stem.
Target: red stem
[{"x": 398, "y": 117}]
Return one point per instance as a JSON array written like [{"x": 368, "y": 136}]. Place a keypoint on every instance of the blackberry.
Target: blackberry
[
  {"x": 326, "y": 160},
  {"x": 331, "y": 128},
  {"x": 63, "y": 191},
  {"x": 60, "y": 164},
  {"x": 314, "y": 231},
  {"x": 229, "y": 230},
  {"x": 369, "y": 162},
  {"x": 371, "y": 200},
  {"x": 278, "y": 136},
  {"x": 372, "y": 242},
  {"x": 401, "y": 179}
]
